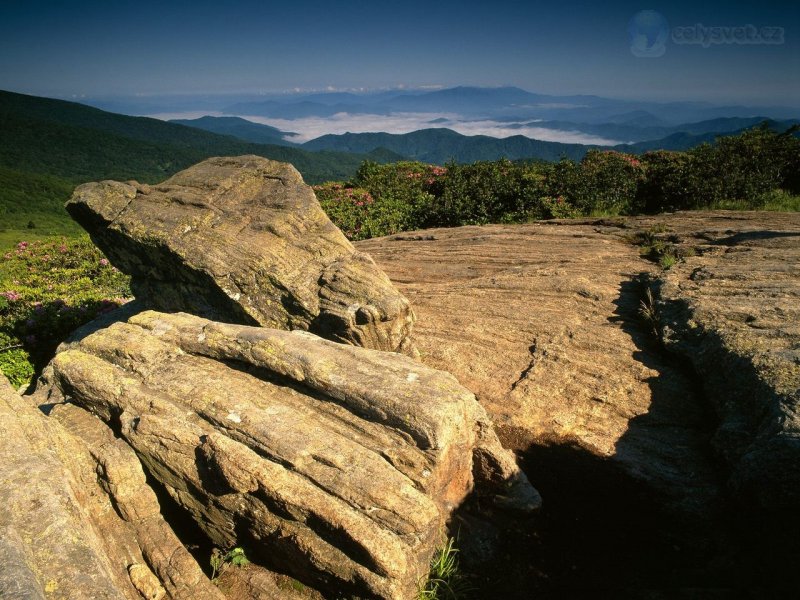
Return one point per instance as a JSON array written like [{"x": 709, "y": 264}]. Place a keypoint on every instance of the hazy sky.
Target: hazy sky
[{"x": 110, "y": 47}]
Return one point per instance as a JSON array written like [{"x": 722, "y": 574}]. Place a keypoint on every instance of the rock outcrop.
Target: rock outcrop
[
  {"x": 78, "y": 519},
  {"x": 699, "y": 405},
  {"x": 541, "y": 322},
  {"x": 733, "y": 311},
  {"x": 244, "y": 240},
  {"x": 732, "y": 308},
  {"x": 336, "y": 464}
]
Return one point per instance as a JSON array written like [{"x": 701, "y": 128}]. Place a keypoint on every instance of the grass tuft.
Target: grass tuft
[
  {"x": 648, "y": 310},
  {"x": 445, "y": 581}
]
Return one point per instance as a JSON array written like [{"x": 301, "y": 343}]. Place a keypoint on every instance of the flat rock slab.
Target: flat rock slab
[
  {"x": 244, "y": 240},
  {"x": 541, "y": 322},
  {"x": 335, "y": 464}
]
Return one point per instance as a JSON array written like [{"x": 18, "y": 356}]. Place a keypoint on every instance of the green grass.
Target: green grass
[
  {"x": 445, "y": 581},
  {"x": 776, "y": 201}
]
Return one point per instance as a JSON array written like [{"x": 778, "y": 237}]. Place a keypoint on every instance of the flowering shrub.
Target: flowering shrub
[
  {"x": 603, "y": 182},
  {"x": 751, "y": 168},
  {"x": 47, "y": 289},
  {"x": 483, "y": 192},
  {"x": 381, "y": 199},
  {"x": 558, "y": 208},
  {"x": 348, "y": 207}
]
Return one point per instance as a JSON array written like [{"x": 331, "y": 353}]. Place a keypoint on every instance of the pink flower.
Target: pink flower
[{"x": 103, "y": 262}]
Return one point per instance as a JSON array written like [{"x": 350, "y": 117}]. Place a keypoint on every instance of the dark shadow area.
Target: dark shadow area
[
  {"x": 749, "y": 236},
  {"x": 41, "y": 338},
  {"x": 123, "y": 313},
  {"x": 652, "y": 521},
  {"x": 183, "y": 525},
  {"x": 174, "y": 286},
  {"x": 595, "y": 536}
]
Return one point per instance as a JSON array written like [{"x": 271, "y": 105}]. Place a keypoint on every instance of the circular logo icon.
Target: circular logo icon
[{"x": 648, "y": 31}]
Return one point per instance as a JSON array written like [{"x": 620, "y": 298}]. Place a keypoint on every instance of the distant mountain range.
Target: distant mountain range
[
  {"x": 509, "y": 103},
  {"x": 454, "y": 112},
  {"x": 440, "y": 145},
  {"x": 48, "y": 146},
  {"x": 634, "y": 131},
  {"x": 239, "y": 128}
]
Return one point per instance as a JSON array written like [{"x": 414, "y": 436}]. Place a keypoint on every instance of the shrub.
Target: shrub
[
  {"x": 220, "y": 559},
  {"x": 751, "y": 170},
  {"x": 668, "y": 185},
  {"x": 490, "y": 192},
  {"x": 349, "y": 208},
  {"x": 381, "y": 199},
  {"x": 604, "y": 182},
  {"x": 475, "y": 194},
  {"x": 405, "y": 189},
  {"x": 744, "y": 167},
  {"x": 49, "y": 288}
]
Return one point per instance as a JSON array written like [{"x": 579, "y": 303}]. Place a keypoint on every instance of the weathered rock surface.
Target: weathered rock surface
[
  {"x": 733, "y": 310},
  {"x": 541, "y": 322},
  {"x": 244, "y": 240},
  {"x": 335, "y": 464},
  {"x": 78, "y": 519}
]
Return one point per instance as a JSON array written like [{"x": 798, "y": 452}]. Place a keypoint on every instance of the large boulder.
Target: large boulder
[
  {"x": 79, "y": 520},
  {"x": 244, "y": 240},
  {"x": 335, "y": 464}
]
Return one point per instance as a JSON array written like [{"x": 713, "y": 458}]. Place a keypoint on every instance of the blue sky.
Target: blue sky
[{"x": 74, "y": 48}]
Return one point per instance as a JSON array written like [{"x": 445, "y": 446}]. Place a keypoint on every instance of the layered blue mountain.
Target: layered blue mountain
[{"x": 509, "y": 103}]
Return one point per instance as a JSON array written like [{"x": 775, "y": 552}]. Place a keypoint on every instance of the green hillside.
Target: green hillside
[
  {"x": 34, "y": 203},
  {"x": 49, "y": 146}
]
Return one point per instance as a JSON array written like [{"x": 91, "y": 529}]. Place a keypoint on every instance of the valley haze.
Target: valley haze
[{"x": 498, "y": 112}]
